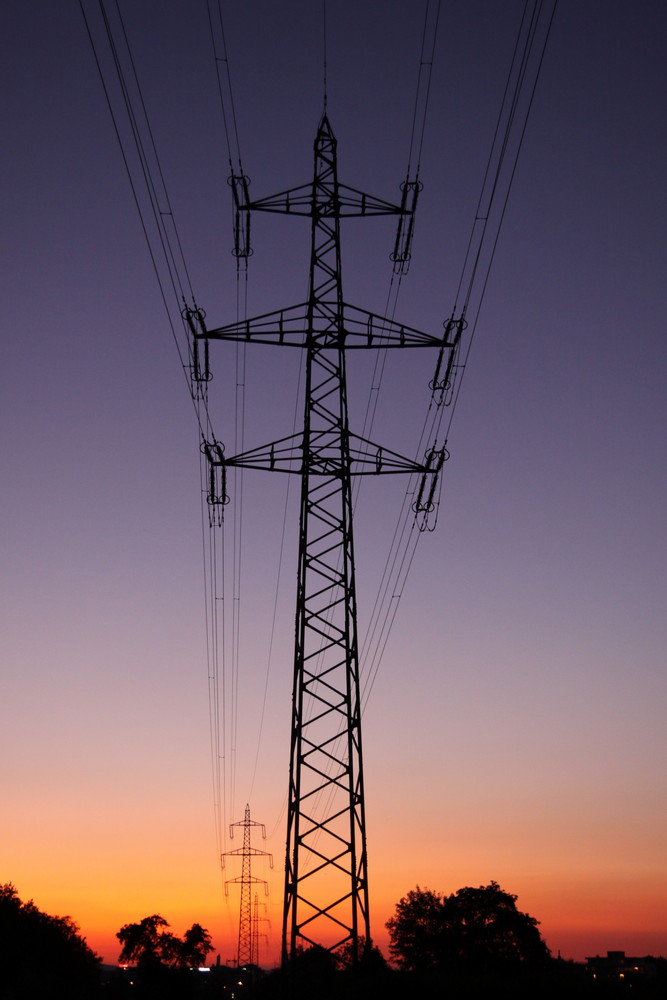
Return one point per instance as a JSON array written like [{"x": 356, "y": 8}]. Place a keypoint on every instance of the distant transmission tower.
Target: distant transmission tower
[
  {"x": 326, "y": 880},
  {"x": 255, "y": 930},
  {"x": 245, "y": 952}
]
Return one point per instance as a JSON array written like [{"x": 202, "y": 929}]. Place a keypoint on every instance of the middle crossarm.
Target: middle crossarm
[{"x": 359, "y": 328}]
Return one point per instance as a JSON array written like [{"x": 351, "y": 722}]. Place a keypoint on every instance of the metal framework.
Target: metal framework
[
  {"x": 326, "y": 878},
  {"x": 247, "y": 946}
]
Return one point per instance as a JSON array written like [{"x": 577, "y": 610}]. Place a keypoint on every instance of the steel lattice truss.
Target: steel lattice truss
[
  {"x": 247, "y": 946},
  {"x": 326, "y": 879}
]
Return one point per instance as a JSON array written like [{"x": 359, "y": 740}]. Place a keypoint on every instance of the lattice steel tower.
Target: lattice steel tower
[
  {"x": 326, "y": 880},
  {"x": 247, "y": 952}
]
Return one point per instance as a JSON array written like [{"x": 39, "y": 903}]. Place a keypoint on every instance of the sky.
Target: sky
[{"x": 515, "y": 730}]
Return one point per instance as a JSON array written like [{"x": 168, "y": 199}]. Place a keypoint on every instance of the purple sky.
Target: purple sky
[{"x": 516, "y": 728}]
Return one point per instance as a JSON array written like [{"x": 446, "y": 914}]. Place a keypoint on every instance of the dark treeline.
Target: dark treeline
[
  {"x": 557, "y": 980},
  {"x": 42, "y": 956},
  {"x": 472, "y": 945}
]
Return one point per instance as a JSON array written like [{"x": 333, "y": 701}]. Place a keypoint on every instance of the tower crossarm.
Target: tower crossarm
[
  {"x": 242, "y": 852},
  {"x": 248, "y": 880},
  {"x": 287, "y": 455},
  {"x": 301, "y": 200},
  {"x": 356, "y": 328}
]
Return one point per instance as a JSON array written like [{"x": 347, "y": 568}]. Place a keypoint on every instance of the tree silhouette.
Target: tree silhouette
[
  {"x": 195, "y": 946},
  {"x": 149, "y": 945},
  {"x": 416, "y": 930},
  {"x": 42, "y": 956},
  {"x": 368, "y": 959},
  {"x": 475, "y": 930},
  {"x": 484, "y": 931}
]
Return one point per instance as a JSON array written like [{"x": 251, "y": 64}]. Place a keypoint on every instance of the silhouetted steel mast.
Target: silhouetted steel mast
[
  {"x": 326, "y": 880},
  {"x": 256, "y": 919},
  {"x": 246, "y": 952}
]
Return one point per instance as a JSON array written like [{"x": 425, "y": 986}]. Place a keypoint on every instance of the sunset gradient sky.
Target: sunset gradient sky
[{"x": 516, "y": 728}]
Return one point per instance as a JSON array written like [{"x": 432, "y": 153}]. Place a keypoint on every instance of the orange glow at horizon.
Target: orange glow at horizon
[
  {"x": 113, "y": 867},
  {"x": 597, "y": 915}
]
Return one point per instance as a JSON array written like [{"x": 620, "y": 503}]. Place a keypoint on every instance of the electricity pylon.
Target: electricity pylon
[
  {"x": 255, "y": 930},
  {"x": 326, "y": 879},
  {"x": 245, "y": 954}
]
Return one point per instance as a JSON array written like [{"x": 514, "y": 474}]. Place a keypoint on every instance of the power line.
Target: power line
[
  {"x": 124, "y": 97},
  {"x": 523, "y": 75}
]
